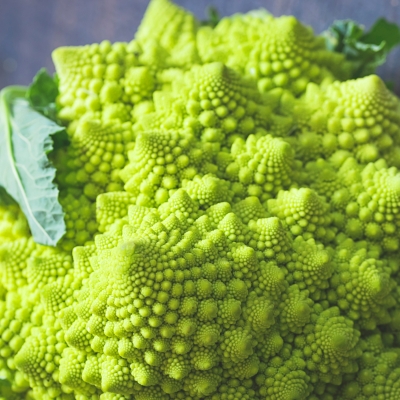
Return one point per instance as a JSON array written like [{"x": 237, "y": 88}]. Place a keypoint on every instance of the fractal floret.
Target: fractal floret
[{"x": 231, "y": 202}]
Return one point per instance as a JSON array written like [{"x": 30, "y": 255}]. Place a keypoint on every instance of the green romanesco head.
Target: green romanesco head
[{"x": 232, "y": 211}]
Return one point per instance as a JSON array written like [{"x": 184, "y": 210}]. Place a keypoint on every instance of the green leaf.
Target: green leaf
[
  {"x": 213, "y": 17},
  {"x": 42, "y": 94},
  {"x": 25, "y": 171},
  {"x": 364, "y": 50},
  {"x": 383, "y": 31}
]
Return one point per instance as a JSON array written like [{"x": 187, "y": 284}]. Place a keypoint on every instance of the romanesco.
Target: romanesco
[{"x": 232, "y": 210}]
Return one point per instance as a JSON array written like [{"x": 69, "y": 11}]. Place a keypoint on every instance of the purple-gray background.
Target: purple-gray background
[{"x": 31, "y": 29}]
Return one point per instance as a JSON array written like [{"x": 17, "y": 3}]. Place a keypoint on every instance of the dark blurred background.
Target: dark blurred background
[{"x": 31, "y": 29}]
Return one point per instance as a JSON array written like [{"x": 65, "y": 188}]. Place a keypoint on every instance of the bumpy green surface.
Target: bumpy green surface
[{"x": 232, "y": 205}]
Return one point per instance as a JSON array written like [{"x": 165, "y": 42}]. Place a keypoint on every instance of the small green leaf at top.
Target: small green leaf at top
[
  {"x": 42, "y": 94},
  {"x": 213, "y": 17},
  {"x": 365, "y": 50},
  {"x": 383, "y": 31}
]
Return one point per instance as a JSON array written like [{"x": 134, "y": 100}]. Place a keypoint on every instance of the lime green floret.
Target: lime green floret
[
  {"x": 278, "y": 52},
  {"x": 232, "y": 205},
  {"x": 359, "y": 116}
]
